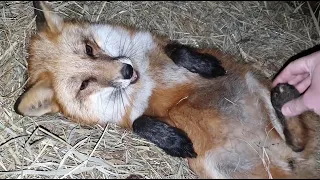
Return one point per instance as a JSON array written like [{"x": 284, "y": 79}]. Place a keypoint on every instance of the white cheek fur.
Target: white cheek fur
[
  {"x": 117, "y": 41},
  {"x": 108, "y": 106},
  {"x": 124, "y": 82},
  {"x": 125, "y": 61}
]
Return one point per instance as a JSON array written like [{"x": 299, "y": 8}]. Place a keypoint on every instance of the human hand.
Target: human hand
[{"x": 304, "y": 74}]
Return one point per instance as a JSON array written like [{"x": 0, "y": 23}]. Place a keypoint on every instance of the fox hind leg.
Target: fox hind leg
[{"x": 294, "y": 129}]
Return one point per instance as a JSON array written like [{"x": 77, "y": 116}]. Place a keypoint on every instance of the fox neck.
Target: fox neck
[
  {"x": 171, "y": 84},
  {"x": 163, "y": 84}
]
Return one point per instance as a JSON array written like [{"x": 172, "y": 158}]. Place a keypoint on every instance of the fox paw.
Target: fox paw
[
  {"x": 205, "y": 65},
  {"x": 172, "y": 140},
  {"x": 282, "y": 94}
]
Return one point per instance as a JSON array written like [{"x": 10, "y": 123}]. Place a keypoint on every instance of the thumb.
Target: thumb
[{"x": 294, "y": 107}]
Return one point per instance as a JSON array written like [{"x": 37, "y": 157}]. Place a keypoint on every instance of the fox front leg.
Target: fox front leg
[
  {"x": 205, "y": 65},
  {"x": 172, "y": 140}
]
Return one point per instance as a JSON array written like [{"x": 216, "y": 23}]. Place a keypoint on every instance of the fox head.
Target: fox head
[{"x": 90, "y": 72}]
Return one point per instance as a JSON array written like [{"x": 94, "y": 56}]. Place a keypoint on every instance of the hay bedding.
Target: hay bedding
[{"x": 265, "y": 34}]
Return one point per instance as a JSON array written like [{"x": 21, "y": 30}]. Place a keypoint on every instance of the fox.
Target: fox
[{"x": 201, "y": 104}]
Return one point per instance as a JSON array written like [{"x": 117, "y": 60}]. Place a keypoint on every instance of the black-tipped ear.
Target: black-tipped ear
[{"x": 46, "y": 18}]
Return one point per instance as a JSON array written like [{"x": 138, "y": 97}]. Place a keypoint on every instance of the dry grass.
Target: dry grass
[{"x": 263, "y": 33}]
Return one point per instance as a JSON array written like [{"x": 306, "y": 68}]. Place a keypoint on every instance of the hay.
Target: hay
[{"x": 265, "y": 34}]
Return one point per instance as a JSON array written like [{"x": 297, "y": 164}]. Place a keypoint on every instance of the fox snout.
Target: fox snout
[{"x": 128, "y": 73}]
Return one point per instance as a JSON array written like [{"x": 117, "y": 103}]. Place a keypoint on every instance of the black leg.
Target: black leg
[
  {"x": 173, "y": 141},
  {"x": 294, "y": 129},
  {"x": 282, "y": 94},
  {"x": 205, "y": 65}
]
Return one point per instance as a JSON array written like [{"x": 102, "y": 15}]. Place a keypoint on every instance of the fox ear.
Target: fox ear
[
  {"x": 37, "y": 100},
  {"x": 45, "y": 17}
]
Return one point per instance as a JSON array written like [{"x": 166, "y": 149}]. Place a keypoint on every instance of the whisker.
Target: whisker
[
  {"x": 133, "y": 47},
  {"x": 118, "y": 101},
  {"x": 130, "y": 49},
  {"x": 137, "y": 51},
  {"x": 129, "y": 99},
  {"x": 133, "y": 51},
  {"x": 113, "y": 105},
  {"x": 122, "y": 100},
  {"x": 107, "y": 40},
  {"x": 110, "y": 98},
  {"x": 124, "y": 46},
  {"x": 121, "y": 45}
]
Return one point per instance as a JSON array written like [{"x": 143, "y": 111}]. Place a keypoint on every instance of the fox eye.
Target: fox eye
[
  {"x": 89, "y": 50},
  {"x": 84, "y": 84}
]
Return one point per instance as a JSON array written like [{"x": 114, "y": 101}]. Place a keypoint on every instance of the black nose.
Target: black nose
[{"x": 127, "y": 71}]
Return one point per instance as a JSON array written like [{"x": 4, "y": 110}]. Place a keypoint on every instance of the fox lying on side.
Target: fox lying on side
[{"x": 193, "y": 103}]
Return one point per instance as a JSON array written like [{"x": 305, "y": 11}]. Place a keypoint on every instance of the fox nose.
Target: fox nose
[{"x": 127, "y": 71}]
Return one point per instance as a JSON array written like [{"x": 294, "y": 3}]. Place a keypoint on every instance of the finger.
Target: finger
[
  {"x": 294, "y": 107},
  {"x": 303, "y": 85},
  {"x": 298, "y": 79},
  {"x": 294, "y": 68}
]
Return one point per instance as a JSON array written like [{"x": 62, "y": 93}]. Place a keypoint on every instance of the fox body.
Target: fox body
[{"x": 100, "y": 73}]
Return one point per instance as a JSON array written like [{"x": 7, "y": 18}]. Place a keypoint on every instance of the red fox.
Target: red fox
[{"x": 193, "y": 103}]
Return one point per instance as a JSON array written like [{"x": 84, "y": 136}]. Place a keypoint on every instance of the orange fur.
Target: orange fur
[
  {"x": 226, "y": 118},
  {"x": 163, "y": 99}
]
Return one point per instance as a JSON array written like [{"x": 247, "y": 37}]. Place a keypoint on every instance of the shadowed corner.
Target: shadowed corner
[
  {"x": 16, "y": 104},
  {"x": 135, "y": 176},
  {"x": 297, "y": 56},
  {"x": 40, "y": 18},
  {"x": 18, "y": 101}
]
